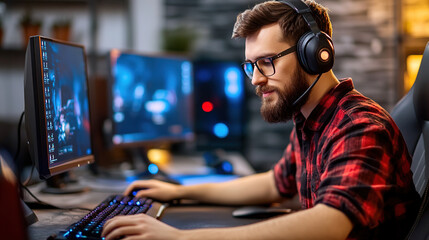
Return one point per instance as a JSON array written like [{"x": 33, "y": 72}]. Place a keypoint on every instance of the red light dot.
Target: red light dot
[{"x": 207, "y": 106}]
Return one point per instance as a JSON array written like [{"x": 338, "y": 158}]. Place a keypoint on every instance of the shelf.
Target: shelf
[{"x": 25, "y": 3}]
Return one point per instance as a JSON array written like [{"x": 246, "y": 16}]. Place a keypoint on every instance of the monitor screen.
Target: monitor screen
[
  {"x": 57, "y": 106},
  {"x": 219, "y": 105},
  {"x": 151, "y": 98}
]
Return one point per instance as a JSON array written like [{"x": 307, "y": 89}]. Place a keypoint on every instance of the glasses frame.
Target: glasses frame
[{"x": 271, "y": 59}]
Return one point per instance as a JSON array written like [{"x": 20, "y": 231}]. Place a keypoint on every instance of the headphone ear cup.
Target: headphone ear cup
[{"x": 315, "y": 52}]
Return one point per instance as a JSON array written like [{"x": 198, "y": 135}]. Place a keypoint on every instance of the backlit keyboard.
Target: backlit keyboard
[{"x": 91, "y": 225}]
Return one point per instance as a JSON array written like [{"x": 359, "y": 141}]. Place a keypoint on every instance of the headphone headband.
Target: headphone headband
[{"x": 302, "y": 9}]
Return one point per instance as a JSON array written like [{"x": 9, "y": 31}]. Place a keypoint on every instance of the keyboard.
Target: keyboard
[{"x": 91, "y": 225}]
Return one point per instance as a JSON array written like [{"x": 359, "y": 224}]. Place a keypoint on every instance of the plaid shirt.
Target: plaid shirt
[{"x": 350, "y": 155}]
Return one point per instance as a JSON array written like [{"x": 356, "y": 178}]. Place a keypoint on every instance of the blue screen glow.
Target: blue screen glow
[
  {"x": 151, "y": 97},
  {"x": 66, "y": 102}
]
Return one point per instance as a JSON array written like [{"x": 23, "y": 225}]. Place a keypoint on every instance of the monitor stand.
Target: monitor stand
[{"x": 63, "y": 183}]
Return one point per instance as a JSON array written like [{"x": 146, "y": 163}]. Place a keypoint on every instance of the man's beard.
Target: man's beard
[{"x": 283, "y": 109}]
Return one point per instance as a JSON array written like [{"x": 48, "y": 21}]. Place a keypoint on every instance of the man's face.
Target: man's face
[{"x": 279, "y": 91}]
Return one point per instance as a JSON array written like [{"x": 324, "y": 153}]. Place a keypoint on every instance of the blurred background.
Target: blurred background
[{"x": 378, "y": 43}]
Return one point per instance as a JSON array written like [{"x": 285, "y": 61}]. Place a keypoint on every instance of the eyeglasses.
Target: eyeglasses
[{"x": 265, "y": 65}]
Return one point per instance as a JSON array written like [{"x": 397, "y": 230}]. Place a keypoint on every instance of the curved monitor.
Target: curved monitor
[
  {"x": 57, "y": 106},
  {"x": 151, "y": 99}
]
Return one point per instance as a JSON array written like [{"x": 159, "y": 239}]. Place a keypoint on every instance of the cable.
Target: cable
[
  {"x": 33, "y": 165},
  {"x": 19, "y": 138},
  {"x": 48, "y": 205}
]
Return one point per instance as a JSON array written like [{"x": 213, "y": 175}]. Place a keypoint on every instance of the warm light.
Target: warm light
[
  {"x": 207, "y": 106},
  {"x": 324, "y": 55},
  {"x": 159, "y": 156},
  {"x": 416, "y": 18},
  {"x": 413, "y": 65}
]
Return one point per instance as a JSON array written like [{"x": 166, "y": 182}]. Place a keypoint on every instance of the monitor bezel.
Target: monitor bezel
[
  {"x": 163, "y": 141},
  {"x": 35, "y": 113}
]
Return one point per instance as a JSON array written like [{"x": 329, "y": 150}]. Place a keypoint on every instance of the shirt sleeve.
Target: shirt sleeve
[
  {"x": 284, "y": 172},
  {"x": 356, "y": 177}
]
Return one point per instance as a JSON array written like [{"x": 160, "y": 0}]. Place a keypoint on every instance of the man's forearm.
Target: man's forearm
[
  {"x": 254, "y": 189},
  {"x": 320, "y": 222}
]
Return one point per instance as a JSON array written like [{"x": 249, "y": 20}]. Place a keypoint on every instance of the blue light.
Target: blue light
[
  {"x": 221, "y": 130},
  {"x": 152, "y": 168},
  {"x": 130, "y": 179},
  {"x": 124, "y": 75},
  {"x": 233, "y": 78},
  {"x": 156, "y": 106},
  {"x": 118, "y": 117},
  {"x": 187, "y": 77},
  {"x": 227, "y": 167}
]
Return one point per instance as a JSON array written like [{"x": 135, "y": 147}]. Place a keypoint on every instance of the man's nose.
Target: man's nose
[{"x": 258, "y": 78}]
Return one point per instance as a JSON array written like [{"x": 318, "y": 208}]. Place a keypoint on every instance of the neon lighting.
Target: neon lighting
[
  {"x": 158, "y": 156},
  {"x": 221, "y": 130},
  {"x": 186, "y": 78},
  {"x": 139, "y": 91},
  {"x": 156, "y": 106},
  {"x": 119, "y": 117},
  {"x": 152, "y": 168},
  {"x": 233, "y": 78},
  {"x": 227, "y": 167},
  {"x": 207, "y": 106}
]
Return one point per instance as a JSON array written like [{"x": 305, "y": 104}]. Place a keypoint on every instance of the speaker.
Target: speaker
[{"x": 315, "y": 49}]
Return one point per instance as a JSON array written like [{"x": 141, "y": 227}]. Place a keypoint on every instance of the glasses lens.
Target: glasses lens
[
  {"x": 266, "y": 66},
  {"x": 248, "y": 69}
]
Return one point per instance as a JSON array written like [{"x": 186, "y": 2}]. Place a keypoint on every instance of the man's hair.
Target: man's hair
[{"x": 292, "y": 24}]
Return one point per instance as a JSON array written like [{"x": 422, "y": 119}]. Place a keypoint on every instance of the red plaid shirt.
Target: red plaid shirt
[{"x": 350, "y": 155}]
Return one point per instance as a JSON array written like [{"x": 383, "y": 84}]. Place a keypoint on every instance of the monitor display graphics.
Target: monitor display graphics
[{"x": 66, "y": 102}]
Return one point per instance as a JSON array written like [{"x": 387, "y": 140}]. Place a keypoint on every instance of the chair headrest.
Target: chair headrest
[{"x": 421, "y": 87}]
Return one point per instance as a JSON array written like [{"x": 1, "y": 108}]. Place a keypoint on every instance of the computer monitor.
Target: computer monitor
[
  {"x": 57, "y": 106},
  {"x": 151, "y": 100},
  {"x": 219, "y": 105}
]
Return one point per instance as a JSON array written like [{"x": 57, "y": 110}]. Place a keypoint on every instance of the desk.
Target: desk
[{"x": 188, "y": 215}]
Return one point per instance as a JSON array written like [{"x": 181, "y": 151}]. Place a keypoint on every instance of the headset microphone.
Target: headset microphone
[
  {"x": 315, "y": 50},
  {"x": 306, "y": 91}
]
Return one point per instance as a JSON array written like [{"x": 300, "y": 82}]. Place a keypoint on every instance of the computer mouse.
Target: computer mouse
[{"x": 259, "y": 212}]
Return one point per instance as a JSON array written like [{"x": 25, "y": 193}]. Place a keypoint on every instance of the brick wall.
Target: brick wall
[{"x": 366, "y": 50}]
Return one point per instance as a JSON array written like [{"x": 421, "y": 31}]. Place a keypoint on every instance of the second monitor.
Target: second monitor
[{"x": 151, "y": 98}]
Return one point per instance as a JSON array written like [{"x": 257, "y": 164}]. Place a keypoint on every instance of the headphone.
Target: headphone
[{"x": 315, "y": 49}]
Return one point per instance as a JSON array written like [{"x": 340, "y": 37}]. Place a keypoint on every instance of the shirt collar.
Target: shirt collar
[{"x": 323, "y": 110}]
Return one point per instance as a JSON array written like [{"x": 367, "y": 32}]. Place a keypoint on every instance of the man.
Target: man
[{"x": 346, "y": 159}]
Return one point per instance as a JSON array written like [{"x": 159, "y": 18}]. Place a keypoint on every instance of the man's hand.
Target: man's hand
[
  {"x": 139, "y": 226},
  {"x": 155, "y": 189}
]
